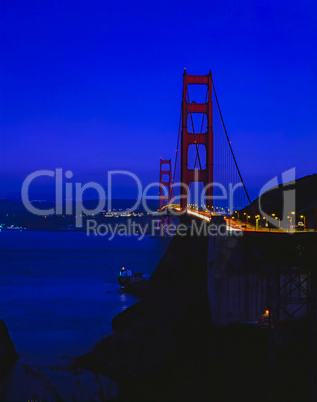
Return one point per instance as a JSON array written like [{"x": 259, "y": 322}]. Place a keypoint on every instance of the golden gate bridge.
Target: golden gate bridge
[{"x": 207, "y": 166}]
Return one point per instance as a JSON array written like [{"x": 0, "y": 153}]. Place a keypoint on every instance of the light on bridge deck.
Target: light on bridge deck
[{"x": 206, "y": 218}]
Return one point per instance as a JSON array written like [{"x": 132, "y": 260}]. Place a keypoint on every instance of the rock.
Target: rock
[
  {"x": 8, "y": 355},
  {"x": 134, "y": 287}
]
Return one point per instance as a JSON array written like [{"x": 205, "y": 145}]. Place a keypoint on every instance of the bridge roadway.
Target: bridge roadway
[{"x": 236, "y": 224}]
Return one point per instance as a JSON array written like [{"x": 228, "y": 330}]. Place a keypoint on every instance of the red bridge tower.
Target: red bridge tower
[
  {"x": 204, "y": 175},
  {"x": 165, "y": 185}
]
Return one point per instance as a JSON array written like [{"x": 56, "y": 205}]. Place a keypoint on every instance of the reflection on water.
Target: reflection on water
[{"x": 124, "y": 301}]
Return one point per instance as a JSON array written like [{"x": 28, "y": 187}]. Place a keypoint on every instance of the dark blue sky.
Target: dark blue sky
[{"x": 96, "y": 85}]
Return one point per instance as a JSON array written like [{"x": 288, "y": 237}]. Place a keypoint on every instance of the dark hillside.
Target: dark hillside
[{"x": 272, "y": 200}]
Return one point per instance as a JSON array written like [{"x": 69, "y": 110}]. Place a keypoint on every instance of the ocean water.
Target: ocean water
[{"x": 59, "y": 290}]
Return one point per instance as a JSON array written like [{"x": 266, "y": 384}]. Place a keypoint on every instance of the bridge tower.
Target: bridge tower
[
  {"x": 165, "y": 193},
  {"x": 165, "y": 185},
  {"x": 204, "y": 174}
]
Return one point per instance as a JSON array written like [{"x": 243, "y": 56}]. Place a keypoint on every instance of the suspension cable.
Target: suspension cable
[
  {"x": 224, "y": 127},
  {"x": 178, "y": 136}
]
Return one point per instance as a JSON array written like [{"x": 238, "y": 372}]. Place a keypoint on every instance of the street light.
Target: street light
[
  {"x": 304, "y": 217},
  {"x": 290, "y": 222},
  {"x": 292, "y": 213},
  {"x": 257, "y": 217}
]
